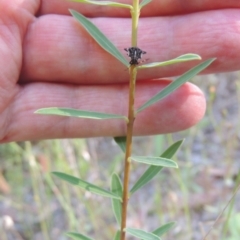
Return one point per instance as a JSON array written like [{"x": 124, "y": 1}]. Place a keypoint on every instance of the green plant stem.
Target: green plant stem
[
  {"x": 135, "y": 12},
  {"x": 131, "y": 118}
]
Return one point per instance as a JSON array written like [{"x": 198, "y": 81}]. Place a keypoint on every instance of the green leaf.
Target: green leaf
[
  {"x": 144, "y": 2},
  {"x": 99, "y": 37},
  {"x": 176, "y": 84},
  {"x": 152, "y": 171},
  {"x": 105, "y": 3},
  {"x": 77, "y": 236},
  {"x": 86, "y": 185},
  {"x": 163, "y": 229},
  {"x": 117, "y": 235},
  {"x": 117, "y": 189},
  {"x": 121, "y": 142},
  {"x": 69, "y": 112},
  {"x": 182, "y": 58},
  {"x": 155, "y": 161},
  {"x": 141, "y": 234}
]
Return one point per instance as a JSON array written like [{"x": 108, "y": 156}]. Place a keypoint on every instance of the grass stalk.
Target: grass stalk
[{"x": 36, "y": 180}]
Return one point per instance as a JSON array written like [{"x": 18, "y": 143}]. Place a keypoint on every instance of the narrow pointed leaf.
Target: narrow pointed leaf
[
  {"x": 155, "y": 161},
  {"x": 105, "y": 3},
  {"x": 142, "y": 234},
  {"x": 86, "y": 185},
  {"x": 176, "y": 84},
  {"x": 99, "y": 37},
  {"x": 144, "y": 2},
  {"x": 121, "y": 142},
  {"x": 182, "y": 58},
  {"x": 163, "y": 229},
  {"x": 116, "y": 185},
  {"x": 77, "y": 236},
  {"x": 117, "y": 235},
  {"x": 152, "y": 171},
  {"x": 116, "y": 188},
  {"x": 70, "y": 112}
]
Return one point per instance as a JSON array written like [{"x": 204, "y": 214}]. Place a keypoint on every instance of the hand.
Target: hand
[{"x": 51, "y": 61}]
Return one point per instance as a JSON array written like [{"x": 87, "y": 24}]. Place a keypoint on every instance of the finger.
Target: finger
[
  {"x": 59, "y": 49},
  {"x": 155, "y": 8},
  {"x": 180, "y": 110}
]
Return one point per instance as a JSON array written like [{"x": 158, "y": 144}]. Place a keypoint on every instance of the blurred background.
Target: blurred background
[{"x": 34, "y": 205}]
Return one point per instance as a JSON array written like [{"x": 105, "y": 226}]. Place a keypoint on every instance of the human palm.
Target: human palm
[{"x": 47, "y": 59}]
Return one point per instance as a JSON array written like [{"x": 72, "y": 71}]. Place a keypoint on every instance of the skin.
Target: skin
[{"x": 47, "y": 59}]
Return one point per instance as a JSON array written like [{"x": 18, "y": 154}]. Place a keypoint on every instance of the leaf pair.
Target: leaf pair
[
  {"x": 150, "y": 173},
  {"x": 116, "y": 187},
  {"x": 157, "y": 163},
  {"x": 155, "y": 235},
  {"x": 106, "y": 44}
]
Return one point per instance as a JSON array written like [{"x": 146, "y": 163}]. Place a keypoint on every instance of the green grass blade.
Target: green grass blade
[
  {"x": 99, "y": 37},
  {"x": 86, "y": 185},
  {"x": 155, "y": 161},
  {"x": 144, "y": 2},
  {"x": 117, "y": 235},
  {"x": 152, "y": 171},
  {"x": 176, "y": 84},
  {"x": 116, "y": 188},
  {"x": 121, "y": 142},
  {"x": 163, "y": 229},
  {"x": 105, "y": 3},
  {"x": 77, "y": 236},
  {"x": 182, "y": 58},
  {"x": 70, "y": 112},
  {"x": 141, "y": 234}
]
